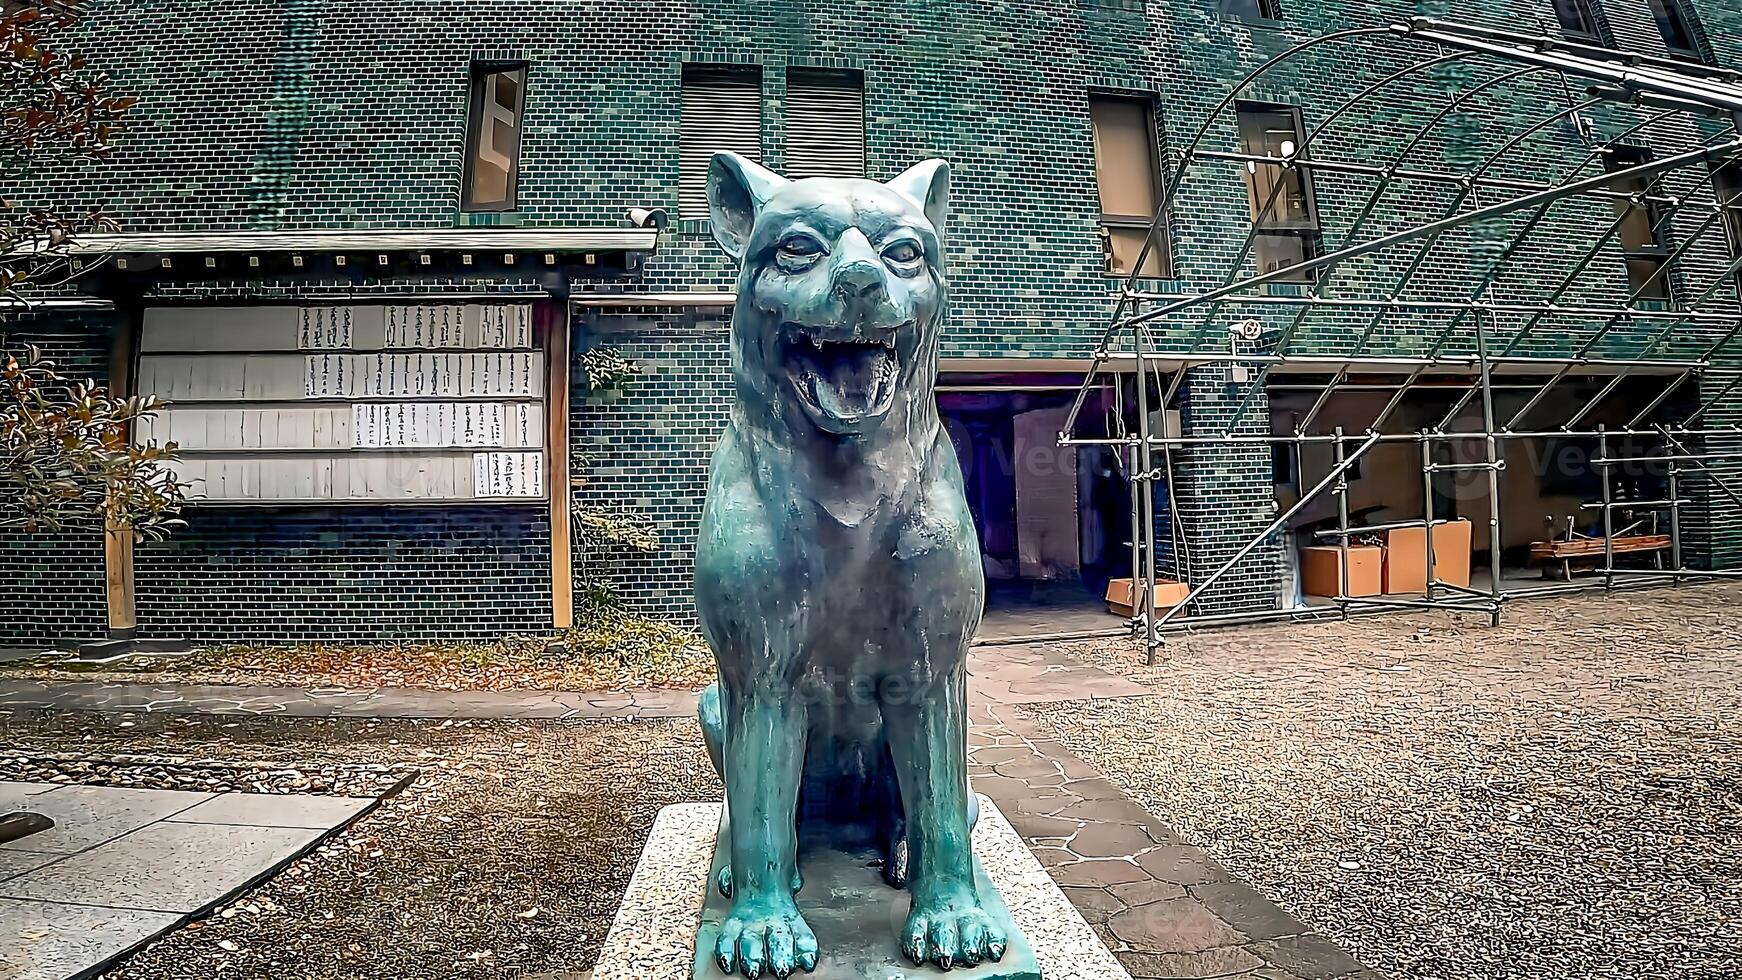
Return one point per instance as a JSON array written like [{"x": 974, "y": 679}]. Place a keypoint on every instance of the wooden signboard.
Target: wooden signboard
[{"x": 384, "y": 403}]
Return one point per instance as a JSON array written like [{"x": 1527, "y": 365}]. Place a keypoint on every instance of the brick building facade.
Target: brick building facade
[{"x": 273, "y": 117}]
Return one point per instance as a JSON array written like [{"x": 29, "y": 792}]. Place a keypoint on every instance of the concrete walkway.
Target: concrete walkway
[
  {"x": 1167, "y": 909},
  {"x": 122, "y": 866},
  {"x": 1004, "y": 675}
]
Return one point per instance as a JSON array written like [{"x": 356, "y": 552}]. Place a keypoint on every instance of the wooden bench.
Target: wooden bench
[{"x": 1590, "y": 550}]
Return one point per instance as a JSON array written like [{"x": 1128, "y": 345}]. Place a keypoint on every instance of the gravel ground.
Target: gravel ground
[
  {"x": 505, "y": 858},
  {"x": 1557, "y": 798}
]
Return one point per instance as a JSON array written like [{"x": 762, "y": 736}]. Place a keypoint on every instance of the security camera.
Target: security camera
[
  {"x": 654, "y": 218},
  {"x": 1248, "y": 329}
]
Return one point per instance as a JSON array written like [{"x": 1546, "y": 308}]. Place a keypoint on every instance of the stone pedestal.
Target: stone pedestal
[{"x": 854, "y": 915}]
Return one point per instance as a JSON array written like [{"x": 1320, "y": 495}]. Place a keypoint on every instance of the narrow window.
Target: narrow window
[
  {"x": 825, "y": 123},
  {"x": 493, "y": 138},
  {"x": 1641, "y": 221},
  {"x": 722, "y": 110},
  {"x": 1250, "y": 11},
  {"x": 1579, "y": 19},
  {"x": 1280, "y": 195},
  {"x": 1129, "y": 177},
  {"x": 1728, "y": 186},
  {"x": 1676, "y": 23}
]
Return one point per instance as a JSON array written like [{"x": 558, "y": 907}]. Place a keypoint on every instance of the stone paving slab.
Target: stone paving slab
[
  {"x": 13, "y": 795},
  {"x": 273, "y": 810},
  {"x": 49, "y": 941},
  {"x": 15, "y": 863},
  {"x": 166, "y": 867},
  {"x": 124, "y": 865},
  {"x": 86, "y": 816}
]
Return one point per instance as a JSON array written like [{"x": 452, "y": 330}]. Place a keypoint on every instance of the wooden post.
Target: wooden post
[
  {"x": 556, "y": 327},
  {"x": 118, "y": 541}
]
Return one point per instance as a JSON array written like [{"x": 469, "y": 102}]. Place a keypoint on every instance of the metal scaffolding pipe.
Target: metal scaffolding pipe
[
  {"x": 1670, "y": 86},
  {"x": 1276, "y": 525},
  {"x": 1342, "y": 492},
  {"x": 1372, "y": 528},
  {"x": 1399, "y": 437},
  {"x": 1403, "y": 173},
  {"x": 1635, "y": 78},
  {"x": 1459, "y": 306},
  {"x": 1651, "y": 168},
  {"x": 1608, "y": 512},
  {"x": 1145, "y": 579}
]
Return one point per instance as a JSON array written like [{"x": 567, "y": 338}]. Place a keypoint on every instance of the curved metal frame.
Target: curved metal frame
[{"x": 1669, "y": 90}]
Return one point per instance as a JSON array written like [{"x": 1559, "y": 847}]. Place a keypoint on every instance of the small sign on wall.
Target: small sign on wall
[{"x": 497, "y": 474}]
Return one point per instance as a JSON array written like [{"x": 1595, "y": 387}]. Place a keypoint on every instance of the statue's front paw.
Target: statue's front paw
[
  {"x": 769, "y": 936},
  {"x": 950, "y": 927}
]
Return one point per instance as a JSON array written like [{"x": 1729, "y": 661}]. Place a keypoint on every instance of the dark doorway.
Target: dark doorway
[{"x": 1054, "y": 522}]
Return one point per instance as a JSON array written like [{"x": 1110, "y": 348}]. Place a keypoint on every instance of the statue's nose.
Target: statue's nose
[
  {"x": 858, "y": 279},
  {"x": 858, "y": 273}
]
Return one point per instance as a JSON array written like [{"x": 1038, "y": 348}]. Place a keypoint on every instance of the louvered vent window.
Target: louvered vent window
[
  {"x": 825, "y": 124},
  {"x": 722, "y": 110}
]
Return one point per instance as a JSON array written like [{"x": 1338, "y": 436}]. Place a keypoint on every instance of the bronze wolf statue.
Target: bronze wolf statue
[{"x": 838, "y": 573}]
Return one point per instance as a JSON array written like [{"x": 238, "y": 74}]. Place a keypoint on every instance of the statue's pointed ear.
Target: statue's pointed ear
[
  {"x": 927, "y": 185},
  {"x": 737, "y": 189}
]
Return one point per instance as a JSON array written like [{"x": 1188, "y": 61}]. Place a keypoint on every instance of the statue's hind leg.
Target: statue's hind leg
[{"x": 713, "y": 727}]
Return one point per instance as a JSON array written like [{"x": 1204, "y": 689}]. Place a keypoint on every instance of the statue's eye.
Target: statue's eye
[
  {"x": 800, "y": 247},
  {"x": 902, "y": 252}
]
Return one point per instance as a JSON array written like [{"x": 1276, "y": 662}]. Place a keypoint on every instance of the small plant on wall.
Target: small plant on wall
[
  {"x": 607, "y": 370},
  {"x": 66, "y": 461},
  {"x": 601, "y": 531}
]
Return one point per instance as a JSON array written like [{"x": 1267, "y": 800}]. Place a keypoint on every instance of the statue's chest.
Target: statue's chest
[{"x": 879, "y": 591}]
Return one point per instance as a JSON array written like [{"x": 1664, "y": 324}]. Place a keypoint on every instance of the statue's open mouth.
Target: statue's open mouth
[{"x": 841, "y": 383}]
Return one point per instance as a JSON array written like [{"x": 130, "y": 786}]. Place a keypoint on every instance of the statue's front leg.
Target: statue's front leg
[
  {"x": 928, "y": 736},
  {"x": 764, "y": 759}
]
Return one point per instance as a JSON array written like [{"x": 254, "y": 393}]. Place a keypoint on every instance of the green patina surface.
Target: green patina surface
[{"x": 838, "y": 577}]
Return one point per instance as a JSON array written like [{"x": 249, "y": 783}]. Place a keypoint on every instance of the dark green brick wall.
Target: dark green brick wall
[
  {"x": 53, "y": 585},
  {"x": 649, "y": 448},
  {"x": 344, "y": 113}
]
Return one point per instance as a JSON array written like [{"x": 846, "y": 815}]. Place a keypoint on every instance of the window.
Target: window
[
  {"x": 1280, "y": 196},
  {"x": 493, "y": 137},
  {"x": 1250, "y": 11},
  {"x": 825, "y": 124},
  {"x": 1129, "y": 177},
  {"x": 1647, "y": 259},
  {"x": 1579, "y": 19},
  {"x": 1676, "y": 23},
  {"x": 722, "y": 110},
  {"x": 1727, "y": 183}
]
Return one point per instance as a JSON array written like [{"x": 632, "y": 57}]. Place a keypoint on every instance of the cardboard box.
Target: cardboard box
[
  {"x": 1121, "y": 591},
  {"x": 1319, "y": 573},
  {"x": 1406, "y": 557}
]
